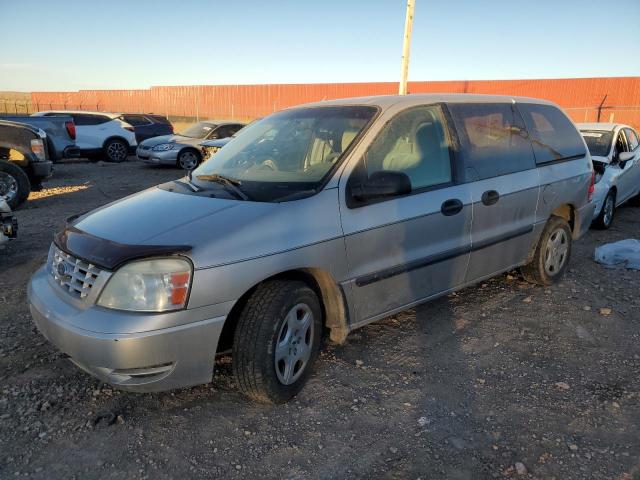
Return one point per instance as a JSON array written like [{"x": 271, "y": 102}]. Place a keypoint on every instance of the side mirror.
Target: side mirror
[
  {"x": 381, "y": 185},
  {"x": 624, "y": 157}
]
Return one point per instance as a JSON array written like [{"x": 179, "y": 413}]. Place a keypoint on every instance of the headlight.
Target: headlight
[
  {"x": 157, "y": 285},
  {"x": 37, "y": 147},
  {"x": 163, "y": 147}
]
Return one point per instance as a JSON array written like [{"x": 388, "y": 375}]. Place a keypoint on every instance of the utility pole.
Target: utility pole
[{"x": 408, "y": 27}]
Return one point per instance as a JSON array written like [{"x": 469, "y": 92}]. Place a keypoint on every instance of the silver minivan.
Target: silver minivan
[{"x": 320, "y": 218}]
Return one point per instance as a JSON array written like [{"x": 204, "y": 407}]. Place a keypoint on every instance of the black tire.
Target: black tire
[
  {"x": 537, "y": 271},
  {"x": 188, "y": 159},
  {"x": 14, "y": 183},
  {"x": 115, "y": 150},
  {"x": 261, "y": 327},
  {"x": 605, "y": 219}
]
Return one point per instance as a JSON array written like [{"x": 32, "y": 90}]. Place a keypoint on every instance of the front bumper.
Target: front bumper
[
  {"x": 168, "y": 157},
  {"x": 41, "y": 170},
  {"x": 147, "y": 361}
]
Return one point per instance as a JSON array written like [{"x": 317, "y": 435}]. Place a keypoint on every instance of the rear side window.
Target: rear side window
[
  {"x": 136, "y": 120},
  {"x": 82, "y": 119},
  {"x": 493, "y": 140},
  {"x": 160, "y": 119},
  {"x": 553, "y": 136}
]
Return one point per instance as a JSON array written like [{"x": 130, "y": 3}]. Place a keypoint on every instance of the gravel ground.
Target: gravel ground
[{"x": 503, "y": 379}]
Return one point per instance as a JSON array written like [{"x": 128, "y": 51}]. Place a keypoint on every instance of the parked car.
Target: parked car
[
  {"x": 616, "y": 160},
  {"x": 18, "y": 176},
  {"x": 211, "y": 147},
  {"x": 60, "y": 130},
  {"x": 100, "y": 134},
  {"x": 327, "y": 216},
  {"x": 182, "y": 149},
  {"x": 8, "y": 222},
  {"x": 148, "y": 125}
]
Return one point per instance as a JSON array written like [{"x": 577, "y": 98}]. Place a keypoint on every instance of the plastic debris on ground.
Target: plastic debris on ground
[{"x": 625, "y": 253}]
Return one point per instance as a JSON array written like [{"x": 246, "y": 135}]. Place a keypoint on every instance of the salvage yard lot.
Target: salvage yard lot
[{"x": 497, "y": 379}]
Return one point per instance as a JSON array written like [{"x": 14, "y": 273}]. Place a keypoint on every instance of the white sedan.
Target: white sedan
[{"x": 616, "y": 161}]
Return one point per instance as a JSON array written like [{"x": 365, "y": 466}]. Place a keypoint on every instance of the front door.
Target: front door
[{"x": 405, "y": 249}]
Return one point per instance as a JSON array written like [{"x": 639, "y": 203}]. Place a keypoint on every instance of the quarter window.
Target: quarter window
[
  {"x": 553, "y": 136},
  {"x": 493, "y": 140},
  {"x": 414, "y": 143}
]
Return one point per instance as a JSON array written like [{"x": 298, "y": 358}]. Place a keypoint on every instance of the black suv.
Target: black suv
[{"x": 148, "y": 125}]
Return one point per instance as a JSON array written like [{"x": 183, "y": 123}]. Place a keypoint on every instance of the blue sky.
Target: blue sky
[{"x": 72, "y": 44}]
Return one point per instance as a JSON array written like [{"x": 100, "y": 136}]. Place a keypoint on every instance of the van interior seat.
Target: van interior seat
[{"x": 425, "y": 159}]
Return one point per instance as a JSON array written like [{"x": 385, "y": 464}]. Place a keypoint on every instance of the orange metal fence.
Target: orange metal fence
[{"x": 583, "y": 98}]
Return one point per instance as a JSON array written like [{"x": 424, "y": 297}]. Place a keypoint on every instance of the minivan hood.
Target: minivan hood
[
  {"x": 597, "y": 158},
  {"x": 152, "y": 142},
  {"x": 218, "y": 230}
]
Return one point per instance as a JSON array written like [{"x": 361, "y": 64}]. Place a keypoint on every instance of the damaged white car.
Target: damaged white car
[{"x": 616, "y": 161}]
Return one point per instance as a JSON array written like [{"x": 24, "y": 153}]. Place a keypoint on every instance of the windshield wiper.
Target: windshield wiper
[{"x": 232, "y": 184}]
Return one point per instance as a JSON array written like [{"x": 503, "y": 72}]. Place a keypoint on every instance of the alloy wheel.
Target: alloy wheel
[
  {"x": 8, "y": 186},
  {"x": 116, "y": 151},
  {"x": 556, "y": 250},
  {"x": 188, "y": 160},
  {"x": 608, "y": 210},
  {"x": 293, "y": 344}
]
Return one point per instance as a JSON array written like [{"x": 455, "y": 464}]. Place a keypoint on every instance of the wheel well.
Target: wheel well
[
  {"x": 115, "y": 137},
  {"x": 568, "y": 212},
  {"x": 184, "y": 149},
  {"x": 329, "y": 293}
]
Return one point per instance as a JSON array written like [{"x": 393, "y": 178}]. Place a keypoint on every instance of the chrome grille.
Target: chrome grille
[{"x": 72, "y": 274}]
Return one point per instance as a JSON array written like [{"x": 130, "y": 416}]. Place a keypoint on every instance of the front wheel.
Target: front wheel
[
  {"x": 116, "y": 150},
  {"x": 277, "y": 340},
  {"x": 14, "y": 184},
  {"x": 552, "y": 253},
  {"x": 605, "y": 219},
  {"x": 188, "y": 159}
]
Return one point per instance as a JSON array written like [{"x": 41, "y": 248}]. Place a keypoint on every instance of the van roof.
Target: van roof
[{"x": 419, "y": 99}]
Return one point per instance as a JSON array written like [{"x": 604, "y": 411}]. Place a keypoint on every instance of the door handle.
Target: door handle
[
  {"x": 490, "y": 197},
  {"x": 451, "y": 207}
]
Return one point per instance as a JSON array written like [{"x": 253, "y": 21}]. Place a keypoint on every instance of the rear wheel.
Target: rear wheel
[
  {"x": 552, "y": 253},
  {"x": 605, "y": 219},
  {"x": 116, "y": 150},
  {"x": 188, "y": 159},
  {"x": 277, "y": 340},
  {"x": 14, "y": 184}
]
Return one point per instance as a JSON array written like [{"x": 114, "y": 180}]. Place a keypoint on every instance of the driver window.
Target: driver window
[
  {"x": 414, "y": 143},
  {"x": 632, "y": 139},
  {"x": 620, "y": 145}
]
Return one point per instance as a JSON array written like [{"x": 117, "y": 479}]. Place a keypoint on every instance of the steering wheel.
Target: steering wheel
[{"x": 269, "y": 163}]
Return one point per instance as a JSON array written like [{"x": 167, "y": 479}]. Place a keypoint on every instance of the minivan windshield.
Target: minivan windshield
[
  {"x": 199, "y": 130},
  {"x": 287, "y": 155},
  {"x": 598, "y": 141}
]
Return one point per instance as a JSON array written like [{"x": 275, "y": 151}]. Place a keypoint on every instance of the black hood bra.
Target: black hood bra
[{"x": 108, "y": 254}]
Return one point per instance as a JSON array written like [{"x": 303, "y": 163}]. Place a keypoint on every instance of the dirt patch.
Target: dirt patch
[{"x": 499, "y": 380}]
